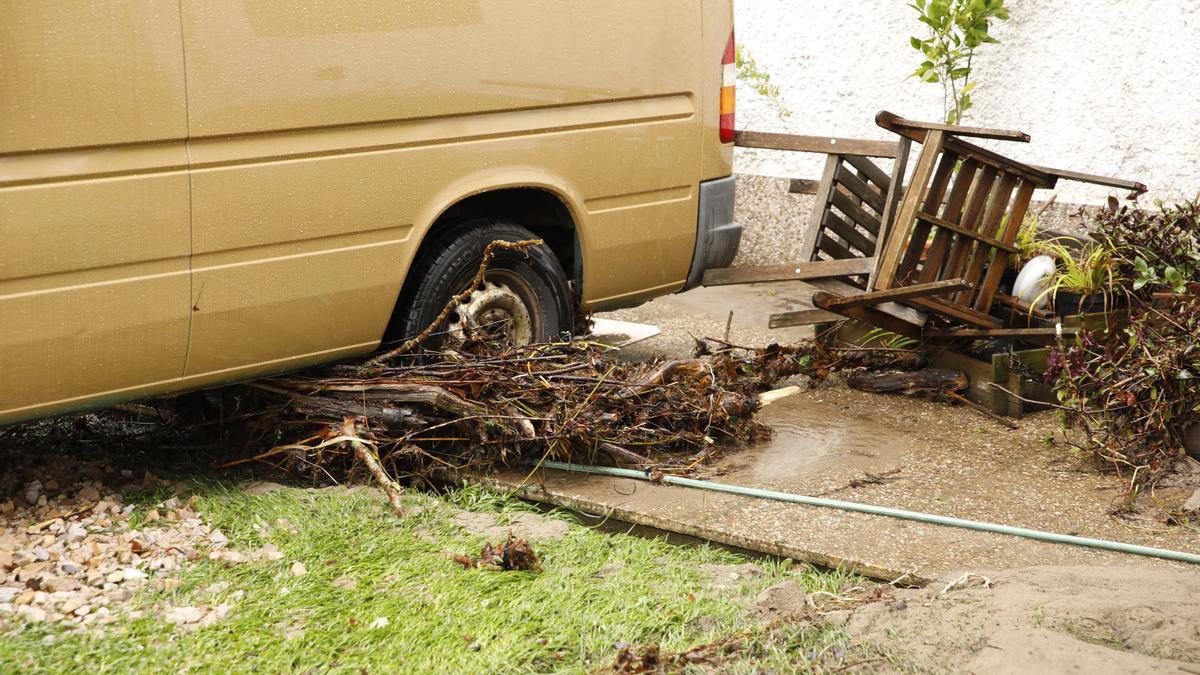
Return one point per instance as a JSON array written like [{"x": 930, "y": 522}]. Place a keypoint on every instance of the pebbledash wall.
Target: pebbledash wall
[{"x": 1103, "y": 86}]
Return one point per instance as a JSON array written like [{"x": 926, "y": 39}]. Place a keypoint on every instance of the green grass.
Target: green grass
[{"x": 441, "y": 617}]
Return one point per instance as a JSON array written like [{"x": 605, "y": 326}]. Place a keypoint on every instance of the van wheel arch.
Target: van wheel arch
[{"x": 540, "y": 212}]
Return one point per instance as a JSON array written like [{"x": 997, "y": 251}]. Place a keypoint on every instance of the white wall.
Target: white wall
[{"x": 1107, "y": 86}]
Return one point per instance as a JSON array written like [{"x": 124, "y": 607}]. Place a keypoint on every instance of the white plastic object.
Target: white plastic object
[{"x": 1033, "y": 279}]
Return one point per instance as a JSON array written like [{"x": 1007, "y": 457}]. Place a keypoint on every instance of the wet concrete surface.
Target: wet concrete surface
[{"x": 830, "y": 440}]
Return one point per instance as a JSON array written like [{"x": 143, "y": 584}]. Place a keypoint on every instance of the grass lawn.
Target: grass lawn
[{"x": 381, "y": 595}]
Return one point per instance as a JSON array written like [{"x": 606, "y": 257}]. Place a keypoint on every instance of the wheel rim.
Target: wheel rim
[{"x": 499, "y": 306}]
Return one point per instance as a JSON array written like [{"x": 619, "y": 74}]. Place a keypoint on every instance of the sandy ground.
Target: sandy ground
[{"x": 1050, "y": 608}]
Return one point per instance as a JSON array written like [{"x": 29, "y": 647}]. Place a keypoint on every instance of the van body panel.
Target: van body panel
[
  {"x": 201, "y": 191},
  {"x": 318, "y": 124},
  {"x": 94, "y": 231},
  {"x": 716, "y": 158},
  {"x": 79, "y": 73}
]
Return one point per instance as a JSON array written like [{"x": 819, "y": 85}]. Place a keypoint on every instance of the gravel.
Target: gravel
[{"x": 73, "y": 551}]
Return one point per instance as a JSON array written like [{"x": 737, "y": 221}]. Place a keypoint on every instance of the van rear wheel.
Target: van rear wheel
[{"x": 524, "y": 296}]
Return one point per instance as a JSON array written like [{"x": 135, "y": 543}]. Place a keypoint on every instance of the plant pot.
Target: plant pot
[{"x": 1067, "y": 303}]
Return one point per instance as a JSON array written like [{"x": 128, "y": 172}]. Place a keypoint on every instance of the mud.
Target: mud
[
  {"x": 799, "y": 446},
  {"x": 730, "y": 576},
  {"x": 1072, "y": 619}
]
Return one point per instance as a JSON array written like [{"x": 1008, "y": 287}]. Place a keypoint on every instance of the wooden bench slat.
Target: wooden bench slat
[
  {"x": 834, "y": 303},
  {"x": 970, "y": 234},
  {"x": 875, "y": 174},
  {"x": 821, "y": 269},
  {"x": 861, "y": 189},
  {"x": 849, "y": 234},
  {"x": 855, "y": 212},
  {"x": 815, "y": 144}
]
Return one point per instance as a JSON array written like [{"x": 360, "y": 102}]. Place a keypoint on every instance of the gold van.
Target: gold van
[{"x": 194, "y": 192}]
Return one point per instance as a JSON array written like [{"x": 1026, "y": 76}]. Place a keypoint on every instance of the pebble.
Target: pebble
[
  {"x": 31, "y": 613},
  {"x": 298, "y": 569},
  {"x": 184, "y": 614}
]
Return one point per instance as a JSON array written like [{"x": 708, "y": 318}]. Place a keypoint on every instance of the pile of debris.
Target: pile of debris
[{"x": 487, "y": 404}]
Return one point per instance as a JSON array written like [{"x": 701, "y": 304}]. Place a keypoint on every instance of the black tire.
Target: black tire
[{"x": 446, "y": 265}]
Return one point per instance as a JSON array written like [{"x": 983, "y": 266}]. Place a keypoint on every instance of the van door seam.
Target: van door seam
[{"x": 187, "y": 152}]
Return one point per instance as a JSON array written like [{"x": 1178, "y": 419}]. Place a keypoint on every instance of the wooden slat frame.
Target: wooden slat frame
[
  {"x": 936, "y": 255},
  {"x": 893, "y": 198},
  {"x": 984, "y": 182},
  {"x": 950, "y": 226},
  {"x": 855, "y": 213},
  {"x": 864, "y": 245},
  {"x": 889, "y": 257},
  {"x": 993, "y": 215},
  {"x": 809, "y": 244},
  {"x": 919, "y": 230}
]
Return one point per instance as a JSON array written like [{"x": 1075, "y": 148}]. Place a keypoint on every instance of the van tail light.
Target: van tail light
[{"x": 728, "y": 89}]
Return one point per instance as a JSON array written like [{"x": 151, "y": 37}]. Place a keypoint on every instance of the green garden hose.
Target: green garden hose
[{"x": 885, "y": 511}]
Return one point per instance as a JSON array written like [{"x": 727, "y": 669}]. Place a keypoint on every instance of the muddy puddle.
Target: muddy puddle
[{"x": 809, "y": 440}]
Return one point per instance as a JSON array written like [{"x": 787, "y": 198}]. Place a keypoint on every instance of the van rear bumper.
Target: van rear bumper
[{"x": 717, "y": 235}]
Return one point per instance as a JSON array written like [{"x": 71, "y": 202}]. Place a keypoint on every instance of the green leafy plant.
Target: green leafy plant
[
  {"x": 1171, "y": 278},
  {"x": 1160, "y": 249},
  {"x": 888, "y": 340},
  {"x": 751, "y": 73},
  {"x": 957, "y": 29},
  {"x": 1132, "y": 392},
  {"x": 1027, "y": 243},
  {"x": 1089, "y": 271}
]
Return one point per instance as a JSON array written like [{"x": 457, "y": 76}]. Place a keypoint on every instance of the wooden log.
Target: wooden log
[
  {"x": 620, "y": 454},
  {"x": 928, "y": 381}
]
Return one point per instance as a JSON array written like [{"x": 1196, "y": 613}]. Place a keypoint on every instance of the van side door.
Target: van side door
[
  {"x": 296, "y": 232},
  {"x": 94, "y": 205}
]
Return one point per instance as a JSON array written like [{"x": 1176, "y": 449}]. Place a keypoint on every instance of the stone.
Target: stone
[
  {"x": 88, "y": 493},
  {"x": 75, "y": 532},
  {"x": 298, "y": 569},
  {"x": 31, "y": 613},
  {"x": 168, "y": 584},
  {"x": 33, "y": 491},
  {"x": 71, "y": 604},
  {"x": 184, "y": 615},
  {"x": 132, "y": 574}
]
